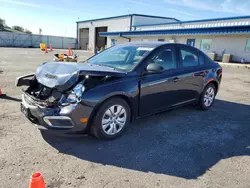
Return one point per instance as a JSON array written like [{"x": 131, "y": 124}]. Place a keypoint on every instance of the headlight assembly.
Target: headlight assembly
[
  {"x": 75, "y": 95},
  {"x": 78, "y": 90}
]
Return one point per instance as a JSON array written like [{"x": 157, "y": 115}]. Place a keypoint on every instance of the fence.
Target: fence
[{"x": 14, "y": 39}]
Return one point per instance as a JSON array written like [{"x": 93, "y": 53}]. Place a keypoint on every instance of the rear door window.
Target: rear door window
[{"x": 189, "y": 58}]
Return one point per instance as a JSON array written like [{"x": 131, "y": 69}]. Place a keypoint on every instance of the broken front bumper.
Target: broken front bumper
[{"x": 62, "y": 120}]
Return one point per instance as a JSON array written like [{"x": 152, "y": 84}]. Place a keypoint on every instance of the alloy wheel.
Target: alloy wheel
[
  {"x": 209, "y": 96},
  {"x": 114, "y": 119}
]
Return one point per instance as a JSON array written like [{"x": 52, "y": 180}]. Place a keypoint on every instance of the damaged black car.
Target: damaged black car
[{"x": 104, "y": 94}]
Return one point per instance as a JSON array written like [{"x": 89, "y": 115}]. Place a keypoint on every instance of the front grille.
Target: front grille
[{"x": 34, "y": 101}]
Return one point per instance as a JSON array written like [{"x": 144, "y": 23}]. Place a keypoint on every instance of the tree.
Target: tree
[
  {"x": 27, "y": 31},
  {"x": 18, "y": 28},
  {"x": 1, "y": 24},
  {"x": 7, "y": 27}
]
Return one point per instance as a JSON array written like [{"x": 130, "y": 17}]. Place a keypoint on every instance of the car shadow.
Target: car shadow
[
  {"x": 6, "y": 97},
  {"x": 184, "y": 142}
]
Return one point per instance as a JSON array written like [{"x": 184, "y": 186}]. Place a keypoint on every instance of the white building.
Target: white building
[
  {"x": 220, "y": 36},
  {"x": 88, "y": 31}
]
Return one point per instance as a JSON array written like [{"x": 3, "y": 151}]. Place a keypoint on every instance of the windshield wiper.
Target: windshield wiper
[{"x": 102, "y": 65}]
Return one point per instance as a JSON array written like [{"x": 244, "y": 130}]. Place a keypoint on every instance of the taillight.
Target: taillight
[{"x": 219, "y": 72}]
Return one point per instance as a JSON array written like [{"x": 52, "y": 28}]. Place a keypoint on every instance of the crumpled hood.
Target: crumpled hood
[{"x": 58, "y": 74}]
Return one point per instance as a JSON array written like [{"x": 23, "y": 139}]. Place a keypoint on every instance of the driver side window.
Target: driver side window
[{"x": 165, "y": 58}]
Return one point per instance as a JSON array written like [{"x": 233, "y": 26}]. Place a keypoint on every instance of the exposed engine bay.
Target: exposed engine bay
[
  {"x": 51, "y": 97},
  {"x": 43, "y": 95}
]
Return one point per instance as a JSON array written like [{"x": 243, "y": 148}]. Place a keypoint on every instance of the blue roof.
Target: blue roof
[
  {"x": 127, "y": 15},
  {"x": 244, "y": 29},
  {"x": 195, "y": 21}
]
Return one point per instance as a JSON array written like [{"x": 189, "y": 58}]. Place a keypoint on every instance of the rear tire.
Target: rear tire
[
  {"x": 207, "y": 97},
  {"x": 111, "y": 119}
]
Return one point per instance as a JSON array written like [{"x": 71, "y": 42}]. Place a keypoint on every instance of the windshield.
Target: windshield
[{"x": 121, "y": 57}]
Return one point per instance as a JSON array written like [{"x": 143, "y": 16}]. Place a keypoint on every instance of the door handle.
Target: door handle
[
  {"x": 176, "y": 79},
  {"x": 203, "y": 74}
]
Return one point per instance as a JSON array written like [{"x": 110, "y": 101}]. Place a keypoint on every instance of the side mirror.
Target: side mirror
[{"x": 154, "y": 68}]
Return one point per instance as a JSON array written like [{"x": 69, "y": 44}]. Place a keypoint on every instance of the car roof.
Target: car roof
[
  {"x": 154, "y": 44},
  {"x": 145, "y": 44}
]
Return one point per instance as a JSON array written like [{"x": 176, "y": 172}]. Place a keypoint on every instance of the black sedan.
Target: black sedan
[{"x": 104, "y": 94}]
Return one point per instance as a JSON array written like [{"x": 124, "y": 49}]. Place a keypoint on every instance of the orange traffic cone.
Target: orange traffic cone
[
  {"x": 37, "y": 181},
  {"x": 46, "y": 49},
  {"x": 69, "y": 52},
  {"x": 50, "y": 46}
]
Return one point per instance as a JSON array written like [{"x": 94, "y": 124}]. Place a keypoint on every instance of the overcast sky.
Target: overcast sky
[{"x": 59, "y": 17}]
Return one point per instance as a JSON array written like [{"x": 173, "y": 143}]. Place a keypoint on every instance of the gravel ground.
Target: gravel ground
[{"x": 180, "y": 148}]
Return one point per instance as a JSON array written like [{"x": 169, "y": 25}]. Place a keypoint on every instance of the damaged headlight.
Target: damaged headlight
[
  {"x": 75, "y": 95},
  {"x": 78, "y": 90}
]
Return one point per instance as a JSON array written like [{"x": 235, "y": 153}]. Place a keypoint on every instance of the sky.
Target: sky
[{"x": 58, "y": 17}]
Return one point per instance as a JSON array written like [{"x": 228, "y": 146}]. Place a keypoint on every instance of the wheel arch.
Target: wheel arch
[
  {"x": 214, "y": 82},
  {"x": 123, "y": 96}
]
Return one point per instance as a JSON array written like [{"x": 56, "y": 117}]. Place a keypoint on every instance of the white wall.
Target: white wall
[
  {"x": 12, "y": 39},
  {"x": 120, "y": 40},
  {"x": 83, "y": 39},
  {"x": 233, "y": 44},
  {"x": 115, "y": 24},
  {"x": 138, "y": 20}
]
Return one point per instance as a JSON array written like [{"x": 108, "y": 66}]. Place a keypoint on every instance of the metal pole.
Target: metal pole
[
  {"x": 77, "y": 38},
  {"x": 13, "y": 39}
]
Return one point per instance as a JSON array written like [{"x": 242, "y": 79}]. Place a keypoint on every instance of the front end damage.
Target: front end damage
[
  {"x": 51, "y": 109},
  {"x": 53, "y": 101}
]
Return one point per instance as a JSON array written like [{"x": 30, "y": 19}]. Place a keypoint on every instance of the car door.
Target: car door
[
  {"x": 191, "y": 73},
  {"x": 158, "y": 91}
]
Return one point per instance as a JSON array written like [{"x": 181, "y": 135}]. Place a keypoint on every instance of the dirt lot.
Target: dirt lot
[{"x": 181, "y": 148}]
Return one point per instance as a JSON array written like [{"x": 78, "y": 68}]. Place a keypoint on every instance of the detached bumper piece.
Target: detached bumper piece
[{"x": 27, "y": 113}]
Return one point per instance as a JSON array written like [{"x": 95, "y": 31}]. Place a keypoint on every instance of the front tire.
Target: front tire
[
  {"x": 111, "y": 119},
  {"x": 207, "y": 97}
]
